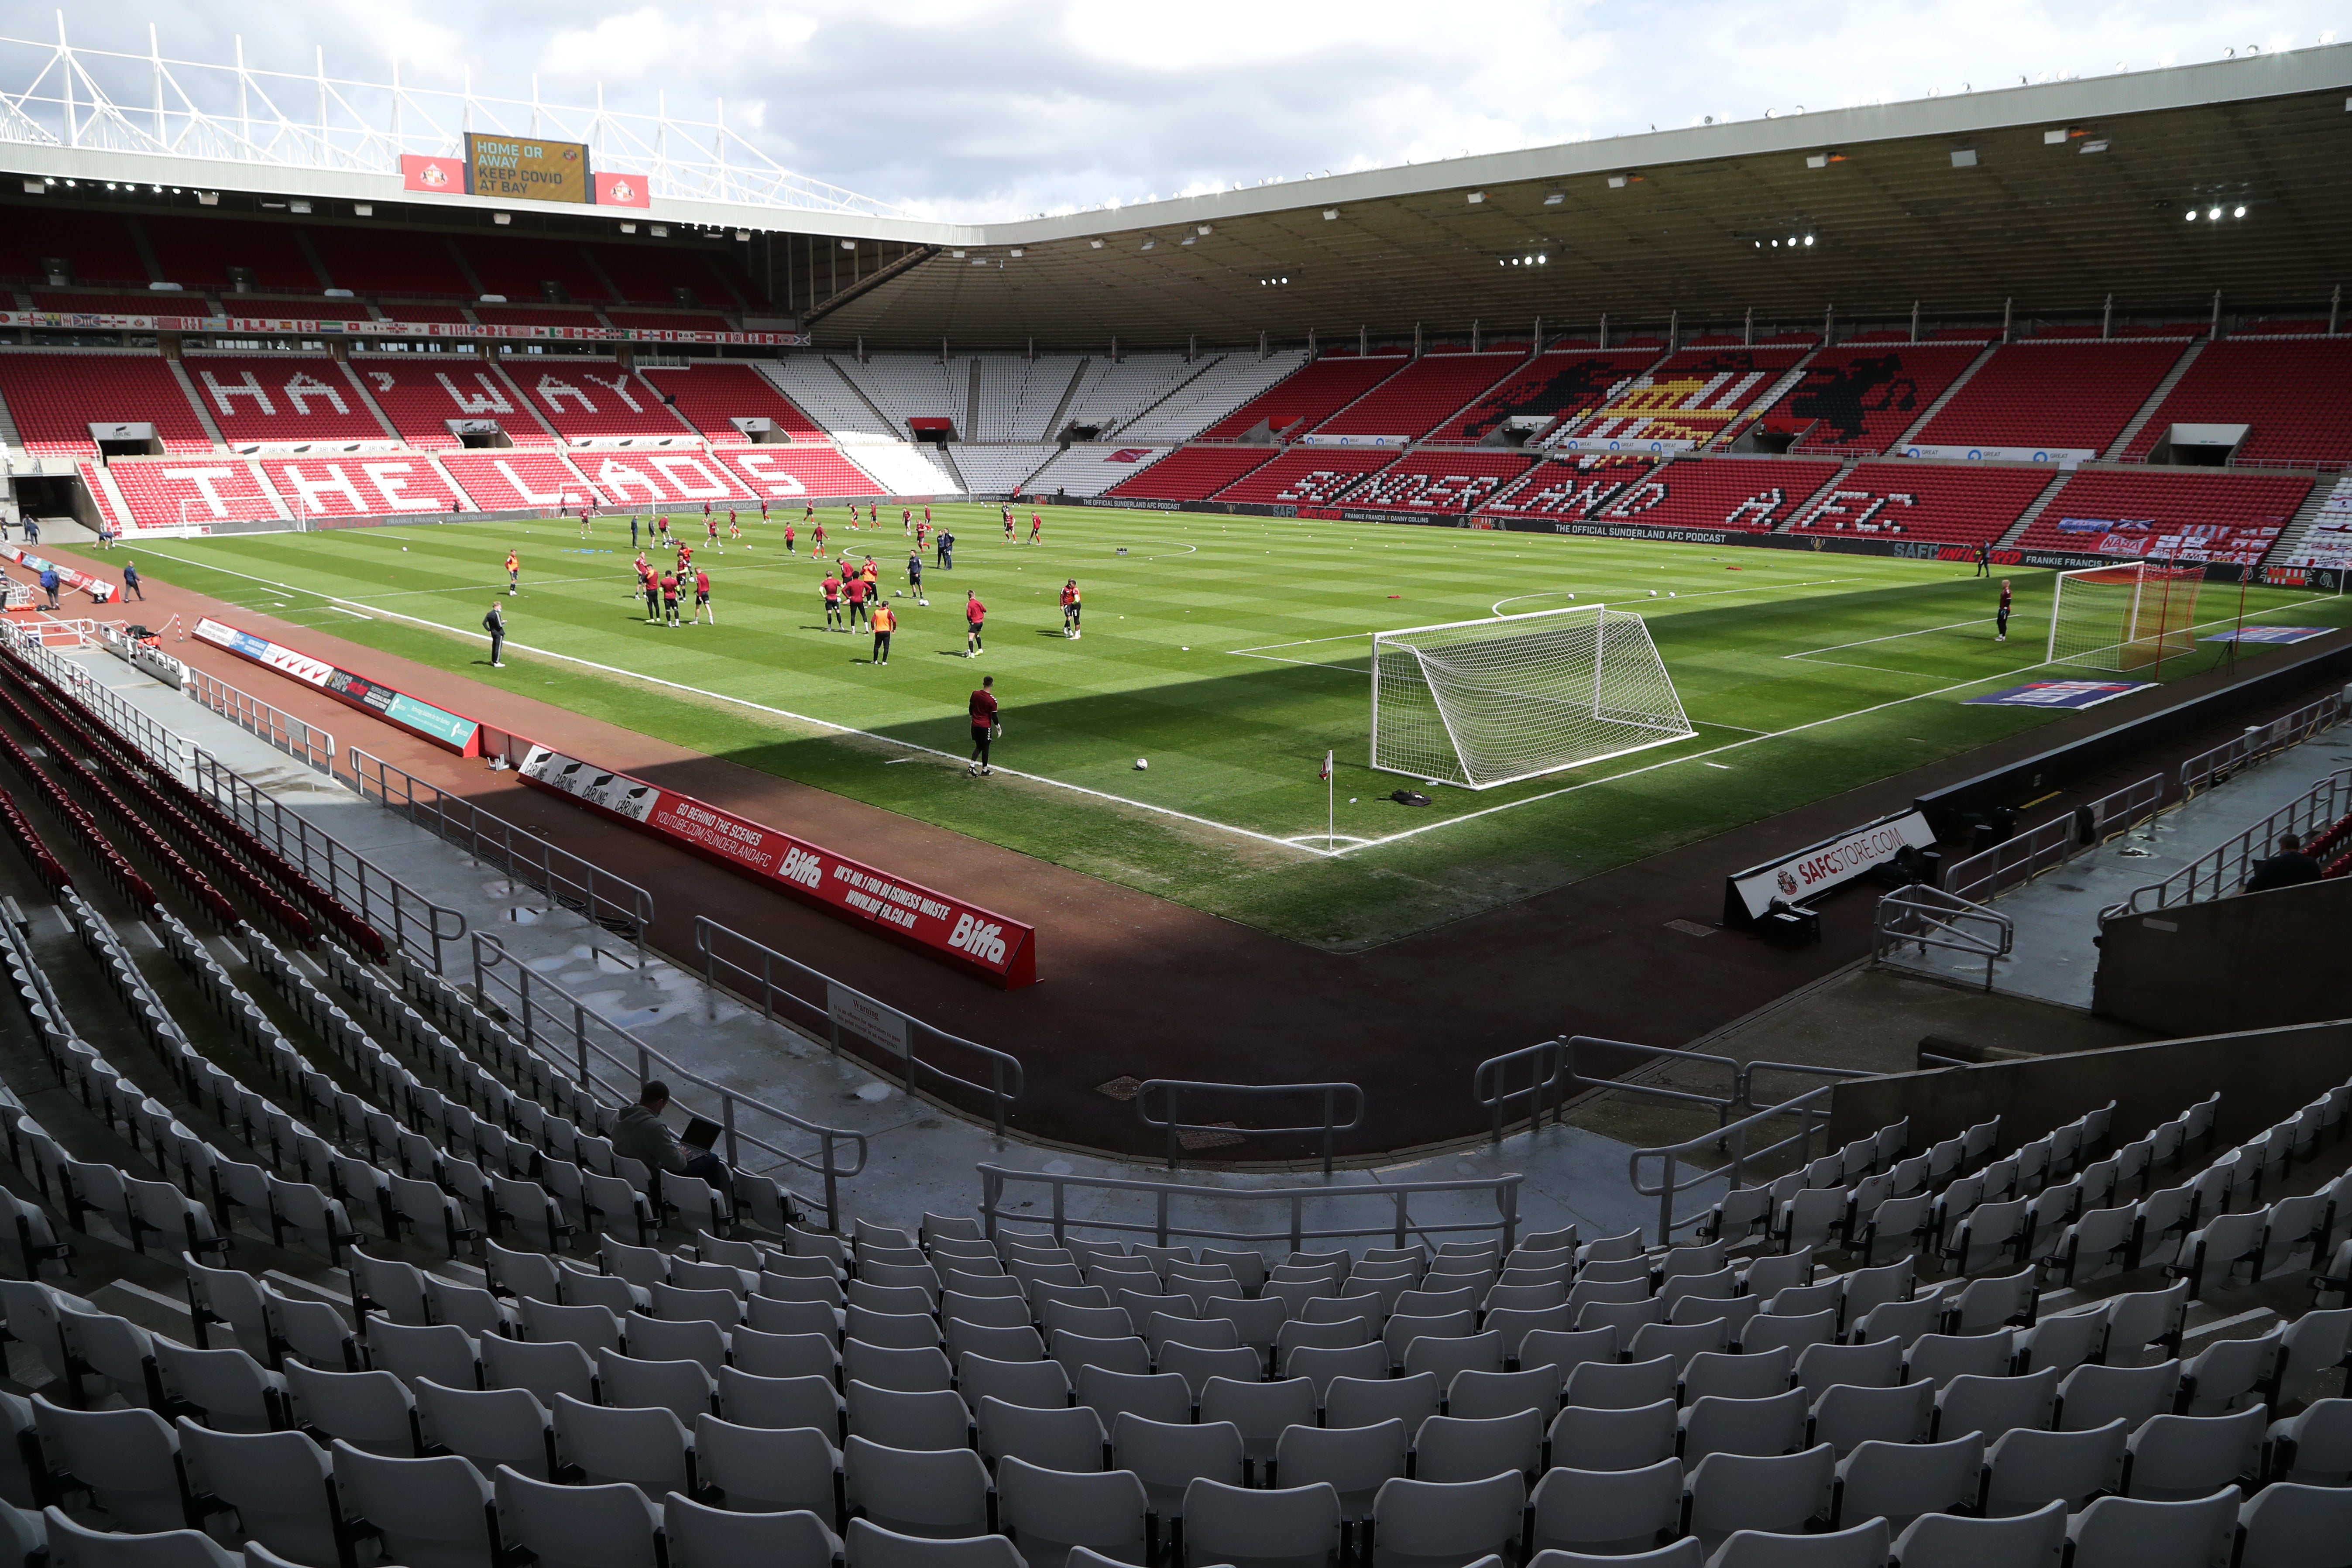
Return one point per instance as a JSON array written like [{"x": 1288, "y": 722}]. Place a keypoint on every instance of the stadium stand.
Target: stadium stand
[
  {"x": 54, "y": 397},
  {"x": 165, "y": 493},
  {"x": 1001, "y": 469},
  {"x": 83, "y": 302},
  {"x": 1424, "y": 394},
  {"x": 653, "y": 275},
  {"x": 1309, "y": 476},
  {"x": 511, "y": 480},
  {"x": 1945, "y": 505},
  {"x": 199, "y": 253},
  {"x": 1298, "y": 403},
  {"x": 2057, "y": 394},
  {"x": 710, "y": 392},
  {"x": 1557, "y": 384},
  {"x": 2327, "y": 538},
  {"x": 903, "y": 468},
  {"x": 1698, "y": 396},
  {"x": 639, "y": 478},
  {"x": 1090, "y": 471},
  {"x": 1221, "y": 386},
  {"x": 1018, "y": 397},
  {"x": 392, "y": 261},
  {"x": 1191, "y": 473},
  {"x": 281, "y": 400},
  {"x": 1733, "y": 494},
  {"x": 360, "y": 486},
  {"x": 422, "y": 394},
  {"x": 2294, "y": 396},
  {"x": 1568, "y": 486},
  {"x": 97, "y": 248},
  {"x": 1111, "y": 392},
  {"x": 535, "y": 316},
  {"x": 1431, "y": 480},
  {"x": 908, "y": 387},
  {"x": 2225, "y": 518},
  {"x": 409, "y": 311},
  {"x": 522, "y": 268},
  {"x": 811, "y": 384},
  {"x": 1858, "y": 401},
  {"x": 789, "y": 473},
  {"x": 596, "y": 399},
  {"x": 668, "y": 320}
]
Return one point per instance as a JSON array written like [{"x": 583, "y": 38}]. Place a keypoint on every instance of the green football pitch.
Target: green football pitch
[{"x": 1230, "y": 654}]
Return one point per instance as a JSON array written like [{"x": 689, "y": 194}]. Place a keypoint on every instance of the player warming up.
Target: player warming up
[
  {"x": 1009, "y": 536},
  {"x": 790, "y": 548},
  {"x": 854, "y": 587},
  {"x": 2000, "y": 615},
  {"x": 650, "y": 585},
  {"x": 975, "y": 617},
  {"x": 816, "y": 541},
  {"x": 669, "y": 598},
  {"x": 915, "y": 575},
  {"x": 885, "y": 622},
  {"x": 833, "y": 602},
  {"x": 702, "y": 599},
  {"x": 514, "y": 574},
  {"x": 985, "y": 724},
  {"x": 1036, "y": 529},
  {"x": 1070, "y": 609}
]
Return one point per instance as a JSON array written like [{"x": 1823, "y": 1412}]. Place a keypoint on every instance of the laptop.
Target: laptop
[{"x": 701, "y": 1133}]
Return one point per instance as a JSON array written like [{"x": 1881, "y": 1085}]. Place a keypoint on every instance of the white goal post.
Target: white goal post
[
  {"x": 1482, "y": 703},
  {"x": 2126, "y": 616}
]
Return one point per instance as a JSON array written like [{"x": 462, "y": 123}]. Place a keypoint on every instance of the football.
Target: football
[{"x": 1141, "y": 763}]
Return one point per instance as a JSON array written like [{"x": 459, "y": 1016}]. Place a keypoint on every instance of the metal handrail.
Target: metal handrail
[
  {"x": 1723, "y": 1105},
  {"x": 2206, "y": 768},
  {"x": 378, "y": 897},
  {"x": 1176, "y": 1127},
  {"x": 28, "y": 642},
  {"x": 610, "y": 902},
  {"x": 865, "y": 1015},
  {"x": 2017, "y": 860},
  {"x": 297, "y": 738},
  {"x": 1548, "y": 1080},
  {"x": 2222, "y": 869},
  {"x": 1930, "y": 917},
  {"x": 560, "y": 1027},
  {"x": 1808, "y": 1107},
  {"x": 996, "y": 1181}
]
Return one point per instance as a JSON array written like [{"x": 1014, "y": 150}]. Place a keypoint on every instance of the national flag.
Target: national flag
[{"x": 1327, "y": 766}]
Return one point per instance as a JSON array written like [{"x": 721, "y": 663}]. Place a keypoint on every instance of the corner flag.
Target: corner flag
[{"x": 1327, "y": 766}]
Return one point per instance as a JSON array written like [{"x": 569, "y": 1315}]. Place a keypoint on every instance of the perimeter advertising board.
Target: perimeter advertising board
[
  {"x": 1818, "y": 867},
  {"x": 438, "y": 725},
  {"x": 527, "y": 169},
  {"x": 965, "y": 936}
]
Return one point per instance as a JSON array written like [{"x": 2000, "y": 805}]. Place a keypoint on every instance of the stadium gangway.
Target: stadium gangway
[
  {"x": 2222, "y": 869},
  {"x": 32, "y": 643},
  {"x": 1549, "y": 1083},
  {"x": 1742, "y": 1077},
  {"x": 1812, "y": 1110},
  {"x": 2022, "y": 857},
  {"x": 614, "y": 903},
  {"x": 414, "y": 923},
  {"x": 304, "y": 742},
  {"x": 845, "y": 1006},
  {"x": 1930, "y": 917},
  {"x": 1331, "y": 1095},
  {"x": 611, "y": 1060},
  {"x": 1392, "y": 1202},
  {"x": 2259, "y": 741}
]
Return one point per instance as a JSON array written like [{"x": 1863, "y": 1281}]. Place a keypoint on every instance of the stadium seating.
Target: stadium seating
[
  {"x": 85, "y": 301},
  {"x": 1442, "y": 482},
  {"x": 790, "y": 473},
  {"x": 689, "y": 475},
  {"x": 908, "y": 387},
  {"x": 345, "y": 486},
  {"x": 1297, "y": 403},
  {"x": 97, "y": 247},
  {"x": 1859, "y": 401},
  {"x": 1220, "y": 386},
  {"x": 1698, "y": 396},
  {"x": 2181, "y": 516},
  {"x": 503, "y": 481},
  {"x": 1424, "y": 394},
  {"x": 96, "y": 482},
  {"x": 1000, "y": 471},
  {"x": 197, "y": 253},
  {"x": 1557, "y": 384},
  {"x": 1733, "y": 494},
  {"x": 588, "y": 399},
  {"x": 1937, "y": 503},
  {"x": 54, "y": 397},
  {"x": 1090, "y": 471},
  {"x": 535, "y": 316},
  {"x": 280, "y": 400},
  {"x": 710, "y": 392},
  {"x": 2328, "y": 541},
  {"x": 421, "y": 394},
  {"x": 812, "y": 384},
  {"x": 1191, "y": 473},
  {"x": 1568, "y": 486},
  {"x": 166, "y": 492},
  {"x": 904, "y": 468},
  {"x": 410, "y": 311},
  {"x": 668, "y": 320},
  {"x": 653, "y": 274},
  {"x": 394, "y": 261},
  {"x": 1111, "y": 391},
  {"x": 519, "y": 269},
  {"x": 1018, "y": 397},
  {"x": 1309, "y": 476},
  {"x": 2055, "y": 395},
  {"x": 2294, "y": 394}
]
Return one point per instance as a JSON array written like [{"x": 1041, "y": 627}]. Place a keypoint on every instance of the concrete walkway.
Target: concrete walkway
[
  {"x": 2057, "y": 915},
  {"x": 919, "y": 1158}
]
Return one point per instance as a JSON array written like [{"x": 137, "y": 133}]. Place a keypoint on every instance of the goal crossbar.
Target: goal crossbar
[{"x": 1487, "y": 702}]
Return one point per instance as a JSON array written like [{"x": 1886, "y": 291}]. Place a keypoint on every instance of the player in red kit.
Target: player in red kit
[{"x": 975, "y": 617}]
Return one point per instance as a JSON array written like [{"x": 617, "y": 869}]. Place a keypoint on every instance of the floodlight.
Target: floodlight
[
  {"x": 1329, "y": 214},
  {"x": 2239, "y": 212},
  {"x": 1808, "y": 239},
  {"x": 1094, "y": 244},
  {"x": 2192, "y": 214},
  {"x": 502, "y": 218},
  {"x": 2215, "y": 215}
]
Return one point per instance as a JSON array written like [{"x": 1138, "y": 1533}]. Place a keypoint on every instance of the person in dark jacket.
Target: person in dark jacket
[
  {"x": 640, "y": 1134},
  {"x": 2289, "y": 867}
]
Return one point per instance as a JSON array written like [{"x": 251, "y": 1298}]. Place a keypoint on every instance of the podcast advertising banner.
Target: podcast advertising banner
[{"x": 527, "y": 169}]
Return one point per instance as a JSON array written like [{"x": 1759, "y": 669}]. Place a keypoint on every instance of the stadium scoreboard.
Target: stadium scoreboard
[{"x": 527, "y": 169}]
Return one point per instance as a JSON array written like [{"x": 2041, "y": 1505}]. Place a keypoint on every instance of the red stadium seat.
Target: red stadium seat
[
  {"x": 2052, "y": 395},
  {"x": 594, "y": 397},
  {"x": 345, "y": 486},
  {"x": 2295, "y": 397},
  {"x": 421, "y": 394},
  {"x": 1420, "y": 397},
  {"x": 688, "y": 475},
  {"x": 1192, "y": 473},
  {"x": 1297, "y": 402},
  {"x": 709, "y": 393},
  {"x": 1737, "y": 495},
  {"x": 1442, "y": 482},
  {"x": 1309, "y": 476},
  {"x": 172, "y": 493},
  {"x": 54, "y": 398},
  {"x": 1940, "y": 504},
  {"x": 1557, "y": 384},
  {"x": 280, "y": 400},
  {"x": 197, "y": 253},
  {"x": 1569, "y": 488},
  {"x": 2176, "y": 516},
  {"x": 790, "y": 473},
  {"x": 502, "y": 481}
]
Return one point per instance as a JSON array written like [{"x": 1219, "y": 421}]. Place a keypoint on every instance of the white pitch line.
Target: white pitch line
[
  {"x": 1891, "y": 636},
  {"x": 1496, "y": 607}
]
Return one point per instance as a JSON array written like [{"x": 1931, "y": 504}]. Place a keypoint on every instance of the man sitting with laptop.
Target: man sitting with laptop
[{"x": 640, "y": 1134}]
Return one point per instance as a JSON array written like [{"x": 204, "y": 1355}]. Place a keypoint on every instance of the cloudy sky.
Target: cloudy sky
[{"x": 978, "y": 109}]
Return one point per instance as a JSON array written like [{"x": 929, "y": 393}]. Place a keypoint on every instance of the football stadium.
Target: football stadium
[{"x": 1677, "y": 803}]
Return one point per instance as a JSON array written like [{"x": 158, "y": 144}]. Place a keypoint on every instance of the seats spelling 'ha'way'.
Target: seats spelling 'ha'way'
[
  {"x": 597, "y": 398},
  {"x": 423, "y": 394},
  {"x": 259, "y": 400}
]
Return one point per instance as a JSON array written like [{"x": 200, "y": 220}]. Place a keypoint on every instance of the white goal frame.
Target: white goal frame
[
  {"x": 1624, "y": 703},
  {"x": 2143, "y": 624}
]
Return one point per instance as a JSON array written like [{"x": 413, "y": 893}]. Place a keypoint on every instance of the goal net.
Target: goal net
[
  {"x": 1481, "y": 703},
  {"x": 2126, "y": 616}
]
